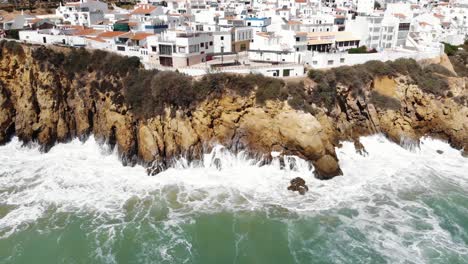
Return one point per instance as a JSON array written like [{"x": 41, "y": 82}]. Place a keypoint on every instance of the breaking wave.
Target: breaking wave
[{"x": 392, "y": 205}]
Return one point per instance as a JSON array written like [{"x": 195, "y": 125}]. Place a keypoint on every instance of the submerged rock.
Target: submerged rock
[{"x": 298, "y": 184}]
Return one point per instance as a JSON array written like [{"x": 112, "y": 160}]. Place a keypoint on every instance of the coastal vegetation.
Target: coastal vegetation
[
  {"x": 431, "y": 79},
  {"x": 361, "y": 50}
]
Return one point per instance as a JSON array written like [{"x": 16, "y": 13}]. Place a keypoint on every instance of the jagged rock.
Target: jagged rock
[
  {"x": 217, "y": 163},
  {"x": 326, "y": 167},
  {"x": 298, "y": 184},
  {"x": 439, "y": 151},
  {"x": 360, "y": 149}
]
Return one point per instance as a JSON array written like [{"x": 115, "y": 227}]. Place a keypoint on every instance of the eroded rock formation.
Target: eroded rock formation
[{"x": 38, "y": 102}]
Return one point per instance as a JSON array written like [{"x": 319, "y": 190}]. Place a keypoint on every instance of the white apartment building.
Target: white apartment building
[
  {"x": 222, "y": 42},
  {"x": 259, "y": 24},
  {"x": 179, "y": 48},
  {"x": 380, "y": 32},
  {"x": 315, "y": 23},
  {"x": 83, "y": 13}
]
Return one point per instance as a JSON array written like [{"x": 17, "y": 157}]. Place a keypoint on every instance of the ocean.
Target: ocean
[{"x": 77, "y": 203}]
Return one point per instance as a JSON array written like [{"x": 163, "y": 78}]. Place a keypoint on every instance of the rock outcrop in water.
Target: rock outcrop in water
[
  {"x": 43, "y": 102},
  {"x": 298, "y": 185}
]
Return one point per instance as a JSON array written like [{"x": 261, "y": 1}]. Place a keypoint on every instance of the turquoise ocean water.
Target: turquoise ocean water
[{"x": 78, "y": 204}]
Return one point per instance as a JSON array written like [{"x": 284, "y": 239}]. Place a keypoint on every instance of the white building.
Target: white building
[
  {"x": 179, "y": 48},
  {"x": 380, "y": 32},
  {"x": 83, "y": 13},
  {"x": 365, "y": 7}
]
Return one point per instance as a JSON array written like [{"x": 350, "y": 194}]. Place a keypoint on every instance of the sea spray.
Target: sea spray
[{"x": 77, "y": 202}]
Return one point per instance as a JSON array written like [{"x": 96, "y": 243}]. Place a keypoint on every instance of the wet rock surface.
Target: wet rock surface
[{"x": 298, "y": 184}]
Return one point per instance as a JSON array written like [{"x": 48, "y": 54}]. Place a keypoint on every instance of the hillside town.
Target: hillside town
[{"x": 279, "y": 38}]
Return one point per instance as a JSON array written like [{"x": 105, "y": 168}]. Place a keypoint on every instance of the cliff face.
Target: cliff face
[{"x": 39, "y": 102}]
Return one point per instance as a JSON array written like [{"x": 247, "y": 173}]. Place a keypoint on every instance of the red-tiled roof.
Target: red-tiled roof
[
  {"x": 111, "y": 34},
  {"x": 96, "y": 39},
  {"x": 136, "y": 36},
  {"x": 85, "y": 32},
  {"x": 399, "y": 15}
]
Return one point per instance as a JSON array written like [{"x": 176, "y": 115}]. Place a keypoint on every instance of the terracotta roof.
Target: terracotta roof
[
  {"x": 86, "y": 31},
  {"x": 35, "y": 20},
  {"x": 315, "y": 38},
  {"x": 399, "y": 15},
  {"x": 111, "y": 34},
  {"x": 438, "y": 15},
  {"x": 76, "y": 27},
  {"x": 424, "y": 24},
  {"x": 96, "y": 39},
  {"x": 143, "y": 9},
  {"x": 301, "y": 33},
  {"x": 136, "y": 36},
  {"x": 301, "y": 1},
  {"x": 132, "y": 24},
  {"x": 8, "y": 17},
  {"x": 294, "y": 22},
  {"x": 73, "y": 4}
]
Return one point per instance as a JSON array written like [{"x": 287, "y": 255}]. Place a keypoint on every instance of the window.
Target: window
[
  {"x": 330, "y": 62},
  {"x": 298, "y": 39},
  {"x": 121, "y": 48},
  {"x": 202, "y": 45},
  {"x": 153, "y": 48},
  {"x": 342, "y": 60},
  {"x": 181, "y": 49},
  {"x": 314, "y": 62},
  {"x": 194, "y": 48},
  {"x": 297, "y": 49},
  {"x": 404, "y": 26},
  {"x": 211, "y": 43},
  {"x": 222, "y": 38},
  {"x": 165, "y": 50}
]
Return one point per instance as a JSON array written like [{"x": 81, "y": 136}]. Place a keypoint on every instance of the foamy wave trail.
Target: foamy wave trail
[{"x": 78, "y": 203}]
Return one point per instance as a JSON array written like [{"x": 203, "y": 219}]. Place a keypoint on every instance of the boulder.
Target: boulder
[{"x": 298, "y": 184}]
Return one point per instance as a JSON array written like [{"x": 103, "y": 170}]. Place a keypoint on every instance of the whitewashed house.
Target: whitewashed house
[
  {"x": 175, "y": 48},
  {"x": 83, "y": 13}
]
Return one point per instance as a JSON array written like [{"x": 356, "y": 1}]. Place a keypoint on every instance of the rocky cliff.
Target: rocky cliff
[{"x": 43, "y": 100}]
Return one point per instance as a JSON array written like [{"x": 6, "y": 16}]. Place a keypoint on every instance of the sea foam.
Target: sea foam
[{"x": 382, "y": 189}]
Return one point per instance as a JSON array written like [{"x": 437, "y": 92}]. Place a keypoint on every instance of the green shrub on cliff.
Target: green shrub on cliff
[
  {"x": 269, "y": 89},
  {"x": 358, "y": 77},
  {"x": 384, "y": 102},
  {"x": 437, "y": 68},
  {"x": 12, "y": 47},
  {"x": 450, "y": 49},
  {"x": 459, "y": 62},
  {"x": 81, "y": 61}
]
